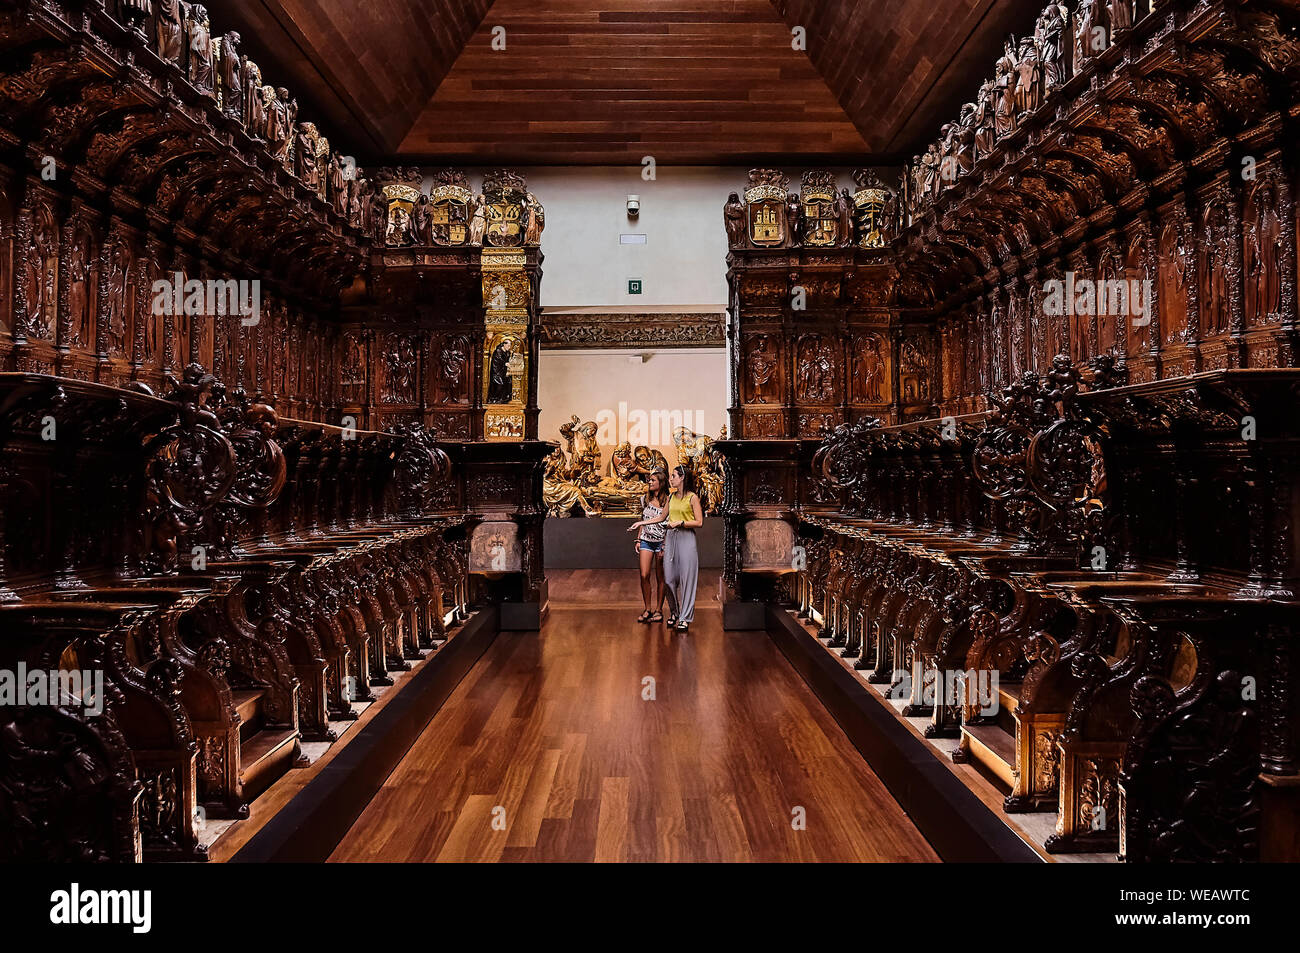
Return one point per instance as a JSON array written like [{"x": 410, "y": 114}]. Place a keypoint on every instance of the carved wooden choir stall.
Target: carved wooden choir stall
[
  {"x": 244, "y": 476},
  {"x": 1047, "y": 432}
]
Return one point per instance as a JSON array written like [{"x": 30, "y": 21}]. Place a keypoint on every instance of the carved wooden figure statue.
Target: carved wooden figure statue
[
  {"x": 254, "y": 99},
  {"x": 230, "y": 71},
  {"x": 478, "y": 222},
  {"x": 422, "y": 221},
  {"x": 1054, "y": 47},
  {"x": 304, "y": 155},
  {"x": 1005, "y": 82},
  {"x": 1029, "y": 77},
  {"x": 983, "y": 119},
  {"x": 136, "y": 13},
  {"x": 844, "y": 206},
  {"x": 733, "y": 216},
  {"x": 1120, "y": 13},
  {"x": 793, "y": 219},
  {"x": 338, "y": 185},
  {"x": 171, "y": 31},
  {"x": 200, "y": 46},
  {"x": 1089, "y": 32},
  {"x": 536, "y": 220}
]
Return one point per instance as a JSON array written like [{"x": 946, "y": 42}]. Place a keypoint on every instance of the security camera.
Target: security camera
[{"x": 633, "y": 206}]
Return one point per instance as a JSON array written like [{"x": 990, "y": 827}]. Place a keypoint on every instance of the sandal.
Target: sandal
[
  {"x": 683, "y": 626},
  {"x": 644, "y": 617},
  {"x": 655, "y": 617}
]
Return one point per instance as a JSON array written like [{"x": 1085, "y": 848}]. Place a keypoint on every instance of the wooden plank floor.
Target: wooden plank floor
[{"x": 547, "y": 751}]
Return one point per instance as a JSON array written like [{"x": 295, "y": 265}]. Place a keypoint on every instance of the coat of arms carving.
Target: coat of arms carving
[
  {"x": 817, "y": 201},
  {"x": 765, "y": 207},
  {"x": 451, "y": 208}
]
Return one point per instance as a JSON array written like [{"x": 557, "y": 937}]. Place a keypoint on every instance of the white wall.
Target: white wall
[{"x": 683, "y": 265}]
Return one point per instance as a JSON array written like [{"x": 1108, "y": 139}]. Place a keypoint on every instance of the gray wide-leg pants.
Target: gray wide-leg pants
[{"x": 681, "y": 572}]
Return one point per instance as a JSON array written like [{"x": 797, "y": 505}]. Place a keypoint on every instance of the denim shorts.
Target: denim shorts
[{"x": 646, "y": 546}]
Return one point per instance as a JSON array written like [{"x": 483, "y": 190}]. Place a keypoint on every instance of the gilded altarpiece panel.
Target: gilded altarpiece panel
[{"x": 507, "y": 294}]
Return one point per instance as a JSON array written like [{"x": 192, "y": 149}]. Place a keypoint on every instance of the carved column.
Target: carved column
[{"x": 23, "y": 251}]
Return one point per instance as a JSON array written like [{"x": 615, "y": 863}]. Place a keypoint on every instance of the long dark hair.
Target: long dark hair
[
  {"x": 688, "y": 480},
  {"x": 659, "y": 498}
]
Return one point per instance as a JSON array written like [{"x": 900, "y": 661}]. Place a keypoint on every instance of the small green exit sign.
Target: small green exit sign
[{"x": 634, "y": 286}]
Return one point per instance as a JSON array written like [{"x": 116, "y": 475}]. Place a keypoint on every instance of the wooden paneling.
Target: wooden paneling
[
  {"x": 373, "y": 64},
  {"x": 687, "y": 81},
  {"x": 900, "y": 68},
  {"x": 681, "y": 80}
]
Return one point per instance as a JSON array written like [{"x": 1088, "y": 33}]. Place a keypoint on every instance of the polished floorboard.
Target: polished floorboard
[{"x": 552, "y": 749}]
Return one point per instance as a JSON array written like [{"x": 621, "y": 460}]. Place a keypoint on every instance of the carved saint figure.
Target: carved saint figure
[
  {"x": 500, "y": 386},
  {"x": 356, "y": 203},
  {"x": 1261, "y": 253},
  {"x": 304, "y": 155},
  {"x": 78, "y": 291},
  {"x": 733, "y": 215},
  {"x": 1120, "y": 13},
  {"x": 200, "y": 34},
  {"x": 816, "y": 372},
  {"x": 983, "y": 120},
  {"x": 254, "y": 101},
  {"x": 964, "y": 139},
  {"x": 947, "y": 160},
  {"x": 1029, "y": 77},
  {"x": 793, "y": 219},
  {"x": 399, "y": 226},
  {"x": 401, "y": 362},
  {"x": 762, "y": 366},
  {"x": 1052, "y": 31},
  {"x": 230, "y": 71},
  {"x": 452, "y": 369},
  {"x": 171, "y": 31},
  {"x": 869, "y": 369},
  {"x": 337, "y": 194},
  {"x": 136, "y": 13},
  {"x": 1215, "y": 245},
  {"x": 1005, "y": 81},
  {"x": 560, "y": 494},
  {"x": 118, "y": 265},
  {"x": 844, "y": 206},
  {"x": 478, "y": 222},
  {"x": 1172, "y": 293},
  {"x": 1089, "y": 32},
  {"x": 422, "y": 221},
  {"x": 930, "y": 180},
  {"x": 536, "y": 220}
]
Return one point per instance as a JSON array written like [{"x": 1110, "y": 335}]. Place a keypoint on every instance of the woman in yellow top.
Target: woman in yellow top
[{"x": 681, "y": 558}]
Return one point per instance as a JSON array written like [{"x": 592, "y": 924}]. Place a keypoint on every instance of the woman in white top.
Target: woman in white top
[{"x": 649, "y": 546}]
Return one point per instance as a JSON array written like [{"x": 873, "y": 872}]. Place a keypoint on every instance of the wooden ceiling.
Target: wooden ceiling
[{"x": 611, "y": 81}]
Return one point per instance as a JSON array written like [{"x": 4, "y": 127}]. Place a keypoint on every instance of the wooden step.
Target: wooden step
[
  {"x": 1008, "y": 695},
  {"x": 994, "y": 748},
  {"x": 1008, "y": 702},
  {"x": 265, "y": 757},
  {"x": 248, "y": 704}
]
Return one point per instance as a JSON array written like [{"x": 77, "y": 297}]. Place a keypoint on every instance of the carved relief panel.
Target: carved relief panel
[
  {"x": 817, "y": 378},
  {"x": 763, "y": 379},
  {"x": 401, "y": 356},
  {"x": 869, "y": 370}
]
